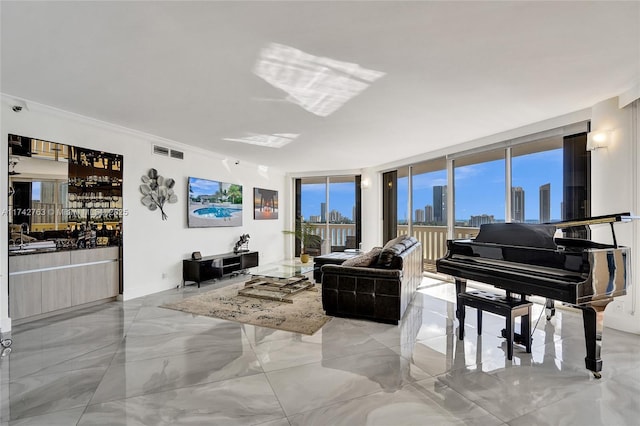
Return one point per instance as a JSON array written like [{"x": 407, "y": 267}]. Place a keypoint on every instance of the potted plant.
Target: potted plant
[{"x": 305, "y": 232}]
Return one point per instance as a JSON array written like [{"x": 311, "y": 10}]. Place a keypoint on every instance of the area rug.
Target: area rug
[{"x": 304, "y": 315}]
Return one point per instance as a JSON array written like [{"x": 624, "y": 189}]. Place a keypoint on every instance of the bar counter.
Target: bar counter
[{"x": 43, "y": 282}]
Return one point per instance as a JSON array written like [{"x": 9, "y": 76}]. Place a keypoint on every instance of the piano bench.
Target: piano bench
[{"x": 508, "y": 307}]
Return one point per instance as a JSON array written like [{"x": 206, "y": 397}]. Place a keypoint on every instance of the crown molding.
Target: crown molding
[{"x": 33, "y": 106}]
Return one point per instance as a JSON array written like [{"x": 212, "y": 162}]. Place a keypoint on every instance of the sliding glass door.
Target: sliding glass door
[{"x": 343, "y": 216}]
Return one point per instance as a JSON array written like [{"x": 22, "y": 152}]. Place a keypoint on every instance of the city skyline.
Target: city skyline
[{"x": 479, "y": 190}]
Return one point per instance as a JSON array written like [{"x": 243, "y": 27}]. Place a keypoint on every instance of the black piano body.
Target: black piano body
[{"x": 526, "y": 259}]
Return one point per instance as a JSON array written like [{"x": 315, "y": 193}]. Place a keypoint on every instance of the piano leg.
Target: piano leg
[
  {"x": 550, "y": 308},
  {"x": 461, "y": 287},
  {"x": 593, "y": 320}
]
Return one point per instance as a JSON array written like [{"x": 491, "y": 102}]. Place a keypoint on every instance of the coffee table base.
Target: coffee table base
[{"x": 278, "y": 289}]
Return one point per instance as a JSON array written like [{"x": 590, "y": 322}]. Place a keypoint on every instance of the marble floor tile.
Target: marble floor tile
[
  {"x": 135, "y": 363},
  {"x": 221, "y": 336},
  {"x": 336, "y": 339},
  {"x": 37, "y": 395},
  {"x": 57, "y": 418},
  {"x": 515, "y": 390},
  {"x": 279, "y": 422},
  {"x": 423, "y": 403},
  {"x": 185, "y": 323},
  {"x": 60, "y": 359},
  {"x": 314, "y": 385},
  {"x": 243, "y": 401},
  {"x": 124, "y": 380},
  {"x": 607, "y": 403}
]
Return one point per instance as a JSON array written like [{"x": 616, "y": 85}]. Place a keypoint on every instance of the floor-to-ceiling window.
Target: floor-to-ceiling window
[
  {"x": 536, "y": 186},
  {"x": 312, "y": 208},
  {"x": 429, "y": 202},
  {"x": 342, "y": 216},
  {"x": 331, "y": 204},
  {"x": 534, "y": 179},
  {"x": 479, "y": 191}
]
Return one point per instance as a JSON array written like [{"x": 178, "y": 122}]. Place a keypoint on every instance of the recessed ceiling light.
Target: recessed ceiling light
[
  {"x": 319, "y": 85},
  {"x": 276, "y": 140}
]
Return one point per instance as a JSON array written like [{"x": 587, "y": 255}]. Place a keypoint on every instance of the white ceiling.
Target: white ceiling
[{"x": 454, "y": 71}]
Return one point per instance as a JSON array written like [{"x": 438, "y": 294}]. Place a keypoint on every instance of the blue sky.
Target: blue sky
[
  {"x": 480, "y": 188},
  {"x": 342, "y": 196},
  {"x": 205, "y": 186}
]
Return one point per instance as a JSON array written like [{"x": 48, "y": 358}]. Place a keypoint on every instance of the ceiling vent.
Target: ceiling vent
[
  {"x": 167, "y": 152},
  {"x": 160, "y": 150},
  {"x": 177, "y": 154}
]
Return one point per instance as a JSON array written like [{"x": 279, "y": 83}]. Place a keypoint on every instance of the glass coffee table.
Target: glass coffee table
[
  {"x": 279, "y": 282},
  {"x": 286, "y": 269}
]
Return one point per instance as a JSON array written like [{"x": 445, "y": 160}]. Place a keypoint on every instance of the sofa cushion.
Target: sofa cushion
[
  {"x": 365, "y": 259},
  {"x": 409, "y": 242},
  {"x": 392, "y": 242}
]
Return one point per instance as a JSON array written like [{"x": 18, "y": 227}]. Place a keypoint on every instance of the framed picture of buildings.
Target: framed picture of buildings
[{"x": 265, "y": 204}]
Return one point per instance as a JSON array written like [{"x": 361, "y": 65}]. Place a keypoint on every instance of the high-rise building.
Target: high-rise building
[
  {"x": 545, "y": 203},
  {"x": 323, "y": 212},
  {"x": 440, "y": 204},
  {"x": 476, "y": 221},
  {"x": 428, "y": 213},
  {"x": 419, "y": 216},
  {"x": 335, "y": 216},
  {"x": 517, "y": 204}
]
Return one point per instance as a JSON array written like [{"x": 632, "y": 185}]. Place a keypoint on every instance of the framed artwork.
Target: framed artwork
[
  {"x": 213, "y": 203},
  {"x": 265, "y": 204}
]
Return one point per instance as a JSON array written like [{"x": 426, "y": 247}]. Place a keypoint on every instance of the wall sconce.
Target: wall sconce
[
  {"x": 599, "y": 139},
  {"x": 364, "y": 183}
]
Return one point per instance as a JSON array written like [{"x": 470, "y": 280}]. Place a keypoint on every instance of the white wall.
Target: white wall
[
  {"x": 152, "y": 247},
  {"x": 371, "y": 209},
  {"x": 615, "y": 188}
]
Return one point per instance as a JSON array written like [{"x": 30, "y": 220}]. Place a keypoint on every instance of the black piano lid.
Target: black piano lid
[
  {"x": 518, "y": 234},
  {"x": 542, "y": 235}
]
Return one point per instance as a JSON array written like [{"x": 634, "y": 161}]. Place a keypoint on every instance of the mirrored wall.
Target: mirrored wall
[{"x": 62, "y": 197}]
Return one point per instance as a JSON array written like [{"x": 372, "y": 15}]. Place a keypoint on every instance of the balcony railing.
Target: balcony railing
[
  {"x": 432, "y": 238},
  {"x": 336, "y": 235}
]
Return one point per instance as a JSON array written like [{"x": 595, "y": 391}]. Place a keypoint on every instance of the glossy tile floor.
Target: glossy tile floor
[{"x": 134, "y": 363}]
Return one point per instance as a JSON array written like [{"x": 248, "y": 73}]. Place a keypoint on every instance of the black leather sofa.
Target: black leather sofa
[{"x": 377, "y": 285}]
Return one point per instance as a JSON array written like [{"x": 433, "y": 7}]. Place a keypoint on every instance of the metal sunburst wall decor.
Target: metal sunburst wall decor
[{"x": 156, "y": 190}]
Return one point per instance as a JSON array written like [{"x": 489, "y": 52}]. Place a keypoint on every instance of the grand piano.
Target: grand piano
[{"x": 534, "y": 259}]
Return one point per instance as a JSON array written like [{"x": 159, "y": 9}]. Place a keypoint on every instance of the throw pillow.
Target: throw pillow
[
  {"x": 388, "y": 254},
  {"x": 365, "y": 259}
]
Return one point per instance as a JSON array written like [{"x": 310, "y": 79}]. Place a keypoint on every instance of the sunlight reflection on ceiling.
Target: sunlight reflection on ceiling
[
  {"x": 276, "y": 140},
  {"x": 319, "y": 85}
]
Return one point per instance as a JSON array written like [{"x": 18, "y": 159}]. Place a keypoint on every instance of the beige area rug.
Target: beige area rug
[{"x": 304, "y": 315}]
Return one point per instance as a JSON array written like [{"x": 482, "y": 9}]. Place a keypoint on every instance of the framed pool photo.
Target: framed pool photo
[
  {"x": 265, "y": 204},
  {"x": 213, "y": 203}
]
